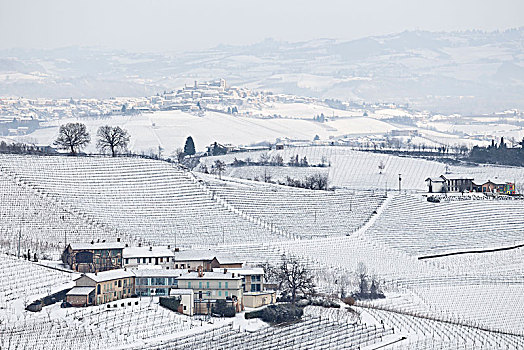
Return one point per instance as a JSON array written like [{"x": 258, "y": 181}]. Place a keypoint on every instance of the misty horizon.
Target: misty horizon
[{"x": 163, "y": 26}]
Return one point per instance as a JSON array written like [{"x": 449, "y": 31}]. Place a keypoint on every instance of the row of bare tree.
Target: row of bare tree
[{"x": 74, "y": 137}]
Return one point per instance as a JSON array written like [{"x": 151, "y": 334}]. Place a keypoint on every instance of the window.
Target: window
[
  {"x": 143, "y": 260},
  {"x": 98, "y": 289},
  {"x": 219, "y": 293},
  {"x": 226, "y": 287},
  {"x": 207, "y": 285},
  {"x": 226, "y": 293},
  {"x": 161, "y": 259},
  {"x": 188, "y": 284},
  {"x": 119, "y": 283},
  {"x": 127, "y": 261},
  {"x": 219, "y": 284},
  {"x": 150, "y": 260},
  {"x": 115, "y": 283},
  {"x": 159, "y": 281},
  {"x": 199, "y": 284}
]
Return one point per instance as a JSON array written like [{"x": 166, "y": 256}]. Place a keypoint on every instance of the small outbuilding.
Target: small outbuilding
[{"x": 81, "y": 296}]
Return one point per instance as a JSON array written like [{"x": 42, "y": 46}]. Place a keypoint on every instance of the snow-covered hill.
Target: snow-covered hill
[{"x": 443, "y": 72}]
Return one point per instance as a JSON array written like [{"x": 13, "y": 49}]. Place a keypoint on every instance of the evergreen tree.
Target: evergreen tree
[{"x": 189, "y": 147}]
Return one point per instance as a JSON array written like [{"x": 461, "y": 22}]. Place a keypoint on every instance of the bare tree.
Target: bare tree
[
  {"x": 264, "y": 158},
  {"x": 219, "y": 166},
  {"x": 294, "y": 277},
  {"x": 266, "y": 176},
  {"x": 112, "y": 138},
  {"x": 72, "y": 137},
  {"x": 179, "y": 153},
  {"x": 277, "y": 160},
  {"x": 381, "y": 167},
  {"x": 362, "y": 274}
]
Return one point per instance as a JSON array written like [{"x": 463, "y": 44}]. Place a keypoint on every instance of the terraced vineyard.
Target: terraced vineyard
[{"x": 463, "y": 301}]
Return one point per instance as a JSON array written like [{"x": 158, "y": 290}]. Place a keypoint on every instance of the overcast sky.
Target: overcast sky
[{"x": 176, "y": 25}]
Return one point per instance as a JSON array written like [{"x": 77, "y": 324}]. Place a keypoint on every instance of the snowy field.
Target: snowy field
[
  {"x": 360, "y": 170},
  {"x": 169, "y": 129},
  {"x": 465, "y": 301}
]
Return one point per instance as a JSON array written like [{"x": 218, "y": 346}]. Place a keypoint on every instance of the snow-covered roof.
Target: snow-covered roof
[
  {"x": 494, "y": 180},
  {"x": 181, "y": 292},
  {"x": 158, "y": 272},
  {"x": 85, "y": 246},
  {"x": 147, "y": 252},
  {"x": 265, "y": 292},
  {"x": 195, "y": 255},
  {"x": 80, "y": 291},
  {"x": 242, "y": 271},
  {"x": 435, "y": 179},
  {"x": 202, "y": 255},
  {"x": 208, "y": 276},
  {"x": 228, "y": 259},
  {"x": 109, "y": 275},
  {"x": 457, "y": 177}
]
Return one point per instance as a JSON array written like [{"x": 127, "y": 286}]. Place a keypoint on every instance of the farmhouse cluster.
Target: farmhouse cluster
[
  {"x": 196, "y": 279},
  {"x": 445, "y": 183}
]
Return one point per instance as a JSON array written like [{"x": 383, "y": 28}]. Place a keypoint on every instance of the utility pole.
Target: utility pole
[
  {"x": 399, "y": 182},
  {"x": 19, "y": 238}
]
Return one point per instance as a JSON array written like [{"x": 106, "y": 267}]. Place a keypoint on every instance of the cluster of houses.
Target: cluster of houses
[
  {"x": 445, "y": 183},
  {"x": 197, "y": 278}
]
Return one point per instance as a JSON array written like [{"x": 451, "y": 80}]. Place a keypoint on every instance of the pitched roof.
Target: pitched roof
[
  {"x": 85, "y": 246},
  {"x": 80, "y": 291},
  {"x": 181, "y": 292},
  {"x": 242, "y": 271},
  {"x": 202, "y": 255},
  {"x": 109, "y": 275},
  {"x": 194, "y": 255},
  {"x": 435, "y": 179},
  {"x": 208, "y": 276},
  {"x": 158, "y": 272},
  {"x": 147, "y": 252}
]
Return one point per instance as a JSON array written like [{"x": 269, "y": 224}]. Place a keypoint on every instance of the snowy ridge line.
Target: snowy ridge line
[
  {"x": 481, "y": 251},
  {"x": 447, "y": 319},
  {"x": 83, "y": 217},
  {"x": 225, "y": 204}
]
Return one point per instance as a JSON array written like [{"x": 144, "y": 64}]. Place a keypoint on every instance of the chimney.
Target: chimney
[
  {"x": 92, "y": 242},
  {"x": 168, "y": 246},
  {"x": 118, "y": 239},
  {"x": 200, "y": 271},
  {"x": 150, "y": 249},
  {"x": 177, "y": 250},
  {"x": 127, "y": 245}
]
